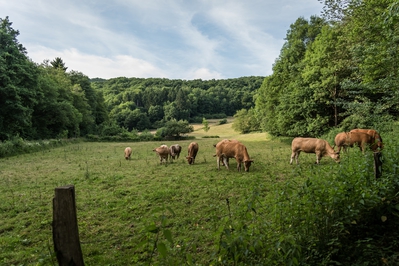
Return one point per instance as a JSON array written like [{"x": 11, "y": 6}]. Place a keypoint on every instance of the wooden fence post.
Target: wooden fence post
[
  {"x": 65, "y": 227},
  {"x": 377, "y": 165}
]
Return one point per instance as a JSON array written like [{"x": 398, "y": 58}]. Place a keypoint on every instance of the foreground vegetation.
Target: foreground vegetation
[{"x": 140, "y": 212}]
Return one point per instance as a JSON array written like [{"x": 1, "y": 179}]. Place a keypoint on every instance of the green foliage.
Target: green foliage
[
  {"x": 43, "y": 101},
  {"x": 164, "y": 99},
  {"x": 59, "y": 63},
  {"x": 18, "y": 79},
  {"x": 174, "y": 129},
  {"x": 205, "y": 123},
  {"x": 223, "y": 121},
  {"x": 17, "y": 145},
  {"x": 338, "y": 73},
  {"x": 282, "y": 100},
  {"x": 245, "y": 121}
]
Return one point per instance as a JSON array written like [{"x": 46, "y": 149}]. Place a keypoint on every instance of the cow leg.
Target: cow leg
[
  {"x": 318, "y": 158},
  {"x": 218, "y": 162},
  {"x": 294, "y": 155},
  {"x": 226, "y": 162}
]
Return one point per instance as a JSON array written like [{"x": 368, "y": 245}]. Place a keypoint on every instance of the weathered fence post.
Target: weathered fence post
[
  {"x": 65, "y": 227},
  {"x": 377, "y": 165}
]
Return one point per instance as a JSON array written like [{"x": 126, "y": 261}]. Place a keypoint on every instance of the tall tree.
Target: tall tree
[
  {"x": 58, "y": 63},
  {"x": 55, "y": 113},
  {"x": 280, "y": 100},
  {"x": 18, "y": 84}
]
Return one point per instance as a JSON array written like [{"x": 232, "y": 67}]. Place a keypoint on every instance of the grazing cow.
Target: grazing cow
[
  {"x": 312, "y": 145},
  {"x": 376, "y": 141},
  {"x": 163, "y": 153},
  {"x": 348, "y": 139},
  {"x": 192, "y": 152},
  {"x": 175, "y": 151},
  {"x": 341, "y": 141},
  {"x": 128, "y": 153},
  {"x": 226, "y": 149}
]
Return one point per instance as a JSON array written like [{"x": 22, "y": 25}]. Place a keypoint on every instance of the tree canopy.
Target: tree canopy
[{"x": 336, "y": 71}]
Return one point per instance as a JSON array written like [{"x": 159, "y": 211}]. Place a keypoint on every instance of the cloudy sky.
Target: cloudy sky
[{"x": 175, "y": 39}]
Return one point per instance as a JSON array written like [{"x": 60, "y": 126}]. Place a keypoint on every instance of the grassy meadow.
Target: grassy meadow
[{"x": 138, "y": 212}]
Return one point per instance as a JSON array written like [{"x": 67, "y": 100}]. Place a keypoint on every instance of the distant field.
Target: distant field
[
  {"x": 119, "y": 201},
  {"x": 225, "y": 131}
]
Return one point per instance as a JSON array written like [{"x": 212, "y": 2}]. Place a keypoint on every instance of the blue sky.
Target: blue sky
[{"x": 175, "y": 39}]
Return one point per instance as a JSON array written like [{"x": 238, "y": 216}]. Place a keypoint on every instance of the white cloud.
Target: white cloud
[
  {"x": 97, "y": 66},
  {"x": 158, "y": 38},
  {"x": 205, "y": 74}
]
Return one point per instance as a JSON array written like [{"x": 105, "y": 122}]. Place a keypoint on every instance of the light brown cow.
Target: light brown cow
[
  {"x": 377, "y": 140},
  {"x": 312, "y": 145},
  {"x": 175, "y": 151},
  {"x": 163, "y": 153},
  {"x": 341, "y": 141},
  {"x": 349, "y": 139},
  {"x": 226, "y": 149},
  {"x": 192, "y": 152},
  {"x": 128, "y": 153}
]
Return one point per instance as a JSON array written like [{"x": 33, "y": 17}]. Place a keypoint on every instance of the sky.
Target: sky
[{"x": 174, "y": 39}]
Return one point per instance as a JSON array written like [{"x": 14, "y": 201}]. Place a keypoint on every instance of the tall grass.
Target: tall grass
[{"x": 138, "y": 212}]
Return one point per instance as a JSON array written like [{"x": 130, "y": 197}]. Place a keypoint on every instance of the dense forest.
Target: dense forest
[
  {"x": 137, "y": 103},
  {"x": 338, "y": 70}
]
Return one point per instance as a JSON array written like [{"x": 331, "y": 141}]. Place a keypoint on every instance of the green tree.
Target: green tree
[
  {"x": 137, "y": 119},
  {"x": 205, "y": 123},
  {"x": 281, "y": 97},
  {"x": 155, "y": 113},
  {"x": 18, "y": 83},
  {"x": 58, "y": 63},
  {"x": 55, "y": 111},
  {"x": 170, "y": 111},
  {"x": 245, "y": 121},
  {"x": 174, "y": 128}
]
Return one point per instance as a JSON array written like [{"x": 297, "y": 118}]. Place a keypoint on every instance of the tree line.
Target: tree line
[
  {"x": 138, "y": 103},
  {"x": 43, "y": 101},
  {"x": 338, "y": 70}
]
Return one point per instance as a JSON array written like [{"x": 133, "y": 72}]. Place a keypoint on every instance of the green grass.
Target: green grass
[{"x": 125, "y": 207}]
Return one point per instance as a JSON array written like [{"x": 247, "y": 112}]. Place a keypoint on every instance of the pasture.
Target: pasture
[{"x": 138, "y": 212}]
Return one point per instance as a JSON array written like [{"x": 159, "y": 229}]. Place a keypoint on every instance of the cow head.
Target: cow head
[
  {"x": 190, "y": 160},
  {"x": 336, "y": 157},
  {"x": 247, "y": 164}
]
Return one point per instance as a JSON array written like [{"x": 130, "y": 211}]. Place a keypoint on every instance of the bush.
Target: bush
[{"x": 223, "y": 121}]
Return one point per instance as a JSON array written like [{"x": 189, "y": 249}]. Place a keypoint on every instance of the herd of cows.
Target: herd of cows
[
  {"x": 226, "y": 149},
  {"x": 360, "y": 137}
]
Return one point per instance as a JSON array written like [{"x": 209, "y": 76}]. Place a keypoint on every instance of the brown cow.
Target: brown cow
[
  {"x": 348, "y": 139},
  {"x": 163, "y": 153},
  {"x": 226, "y": 149},
  {"x": 175, "y": 151},
  {"x": 312, "y": 145},
  {"x": 128, "y": 153},
  {"x": 192, "y": 152},
  {"x": 377, "y": 140}
]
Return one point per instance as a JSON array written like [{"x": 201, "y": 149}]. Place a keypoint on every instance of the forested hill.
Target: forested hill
[{"x": 143, "y": 103}]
